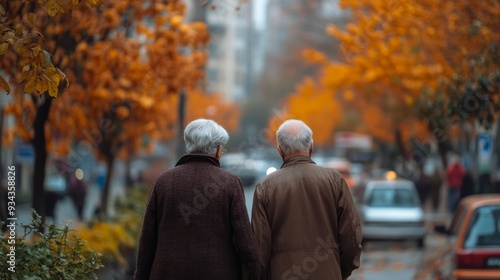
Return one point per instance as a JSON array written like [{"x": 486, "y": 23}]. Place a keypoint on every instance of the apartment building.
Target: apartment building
[{"x": 236, "y": 49}]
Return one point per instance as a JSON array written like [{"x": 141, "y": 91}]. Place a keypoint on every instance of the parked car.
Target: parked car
[
  {"x": 391, "y": 210},
  {"x": 473, "y": 247}
]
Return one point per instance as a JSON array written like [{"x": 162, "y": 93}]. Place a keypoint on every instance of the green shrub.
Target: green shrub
[
  {"x": 116, "y": 237},
  {"x": 51, "y": 254}
]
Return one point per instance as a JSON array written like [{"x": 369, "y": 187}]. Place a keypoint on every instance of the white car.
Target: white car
[
  {"x": 391, "y": 210},
  {"x": 56, "y": 183}
]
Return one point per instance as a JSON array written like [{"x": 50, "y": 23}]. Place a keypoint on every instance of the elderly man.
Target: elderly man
[
  {"x": 303, "y": 215},
  {"x": 196, "y": 224}
]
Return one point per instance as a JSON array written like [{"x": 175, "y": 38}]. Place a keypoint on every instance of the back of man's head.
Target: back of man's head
[
  {"x": 293, "y": 137},
  {"x": 203, "y": 136}
]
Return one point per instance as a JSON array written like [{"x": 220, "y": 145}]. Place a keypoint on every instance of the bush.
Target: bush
[
  {"x": 107, "y": 238},
  {"x": 117, "y": 237},
  {"x": 54, "y": 253}
]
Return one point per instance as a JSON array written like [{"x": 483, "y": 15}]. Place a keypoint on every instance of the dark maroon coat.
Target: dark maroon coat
[{"x": 196, "y": 225}]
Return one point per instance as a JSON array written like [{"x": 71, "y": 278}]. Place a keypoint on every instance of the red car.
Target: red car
[{"x": 473, "y": 250}]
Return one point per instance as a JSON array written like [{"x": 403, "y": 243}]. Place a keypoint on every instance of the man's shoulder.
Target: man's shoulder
[
  {"x": 310, "y": 170},
  {"x": 317, "y": 170}
]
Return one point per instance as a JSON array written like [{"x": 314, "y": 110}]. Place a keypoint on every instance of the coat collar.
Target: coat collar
[
  {"x": 293, "y": 160},
  {"x": 198, "y": 157}
]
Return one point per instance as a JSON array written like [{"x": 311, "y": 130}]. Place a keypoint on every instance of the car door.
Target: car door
[{"x": 445, "y": 261}]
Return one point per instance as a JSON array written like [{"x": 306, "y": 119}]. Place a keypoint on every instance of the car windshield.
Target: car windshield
[
  {"x": 484, "y": 228},
  {"x": 392, "y": 197}
]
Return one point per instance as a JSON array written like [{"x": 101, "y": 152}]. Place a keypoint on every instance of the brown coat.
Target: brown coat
[
  {"x": 306, "y": 223},
  {"x": 196, "y": 225}
]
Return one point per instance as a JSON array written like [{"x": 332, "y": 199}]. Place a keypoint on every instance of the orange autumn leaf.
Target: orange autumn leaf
[{"x": 390, "y": 52}]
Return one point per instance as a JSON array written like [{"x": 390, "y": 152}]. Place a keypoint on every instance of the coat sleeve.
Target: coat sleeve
[
  {"x": 244, "y": 239},
  {"x": 262, "y": 231},
  {"x": 349, "y": 232},
  {"x": 148, "y": 239}
]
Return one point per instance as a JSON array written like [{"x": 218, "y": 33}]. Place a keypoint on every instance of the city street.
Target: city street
[
  {"x": 379, "y": 261},
  {"x": 401, "y": 98},
  {"x": 400, "y": 260},
  {"x": 65, "y": 209},
  {"x": 397, "y": 260}
]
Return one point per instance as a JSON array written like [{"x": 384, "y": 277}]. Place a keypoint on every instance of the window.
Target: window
[
  {"x": 391, "y": 197},
  {"x": 484, "y": 228},
  {"x": 212, "y": 75},
  {"x": 214, "y": 50},
  {"x": 239, "y": 77}
]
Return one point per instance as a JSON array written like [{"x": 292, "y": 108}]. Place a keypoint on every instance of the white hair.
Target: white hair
[
  {"x": 294, "y": 136},
  {"x": 203, "y": 136}
]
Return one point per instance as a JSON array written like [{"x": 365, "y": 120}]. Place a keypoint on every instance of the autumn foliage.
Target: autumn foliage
[
  {"x": 126, "y": 63},
  {"x": 393, "y": 51},
  {"x": 212, "y": 106}
]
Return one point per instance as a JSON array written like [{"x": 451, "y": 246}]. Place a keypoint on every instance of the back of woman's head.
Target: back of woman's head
[{"x": 203, "y": 136}]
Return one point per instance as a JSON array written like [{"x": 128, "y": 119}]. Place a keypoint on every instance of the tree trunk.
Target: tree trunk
[
  {"x": 110, "y": 160},
  {"x": 399, "y": 143},
  {"x": 40, "y": 148},
  {"x": 441, "y": 138},
  {"x": 129, "y": 181}
]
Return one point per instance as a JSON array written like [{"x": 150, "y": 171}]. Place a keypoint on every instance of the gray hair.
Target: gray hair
[
  {"x": 294, "y": 136},
  {"x": 204, "y": 136}
]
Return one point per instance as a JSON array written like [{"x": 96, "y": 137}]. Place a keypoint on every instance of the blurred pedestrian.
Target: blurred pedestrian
[
  {"x": 436, "y": 181},
  {"x": 454, "y": 174},
  {"x": 78, "y": 193},
  {"x": 101, "y": 176},
  {"x": 468, "y": 186},
  {"x": 496, "y": 182},
  {"x": 196, "y": 224},
  {"x": 140, "y": 180},
  {"x": 485, "y": 184},
  {"x": 423, "y": 187},
  {"x": 303, "y": 215},
  {"x": 51, "y": 199}
]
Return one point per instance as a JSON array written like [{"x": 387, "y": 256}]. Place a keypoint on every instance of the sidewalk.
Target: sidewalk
[{"x": 65, "y": 210}]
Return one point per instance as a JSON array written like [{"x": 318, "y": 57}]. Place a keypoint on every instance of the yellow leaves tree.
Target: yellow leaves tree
[
  {"x": 130, "y": 83},
  {"x": 126, "y": 62},
  {"x": 22, "y": 48},
  {"x": 28, "y": 62},
  {"x": 316, "y": 107},
  {"x": 212, "y": 106},
  {"x": 394, "y": 50}
]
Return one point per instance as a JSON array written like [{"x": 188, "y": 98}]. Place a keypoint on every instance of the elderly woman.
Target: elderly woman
[{"x": 196, "y": 224}]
